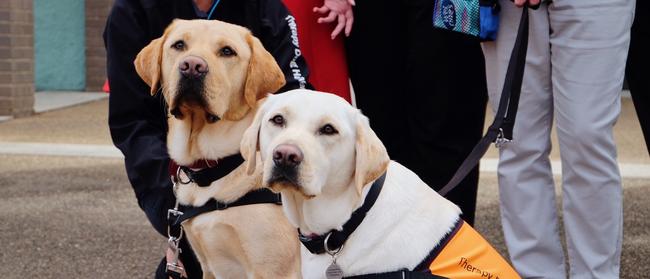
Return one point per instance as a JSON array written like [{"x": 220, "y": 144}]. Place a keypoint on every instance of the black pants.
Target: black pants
[
  {"x": 423, "y": 89},
  {"x": 638, "y": 61}
]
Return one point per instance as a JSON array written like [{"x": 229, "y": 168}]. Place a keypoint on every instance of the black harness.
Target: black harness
[
  {"x": 203, "y": 178},
  {"x": 252, "y": 197}
]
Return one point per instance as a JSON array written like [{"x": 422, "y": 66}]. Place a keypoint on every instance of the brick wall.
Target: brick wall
[
  {"x": 16, "y": 58},
  {"x": 96, "y": 13}
]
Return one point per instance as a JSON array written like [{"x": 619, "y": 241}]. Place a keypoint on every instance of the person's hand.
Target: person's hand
[
  {"x": 532, "y": 3},
  {"x": 169, "y": 256},
  {"x": 339, "y": 10}
]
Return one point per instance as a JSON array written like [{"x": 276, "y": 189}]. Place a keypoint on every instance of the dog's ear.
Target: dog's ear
[
  {"x": 149, "y": 60},
  {"x": 250, "y": 141},
  {"x": 371, "y": 155},
  {"x": 264, "y": 75},
  {"x": 147, "y": 64}
]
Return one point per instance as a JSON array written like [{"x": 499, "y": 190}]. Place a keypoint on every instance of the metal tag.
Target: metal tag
[{"x": 334, "y": 271}]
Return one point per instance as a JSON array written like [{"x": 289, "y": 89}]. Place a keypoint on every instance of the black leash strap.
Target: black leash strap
[
  {"x": 337, "y": 238},
  {"x": 501, "y": 129}
]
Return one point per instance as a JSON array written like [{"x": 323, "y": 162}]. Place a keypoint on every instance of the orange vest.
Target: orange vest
[{"x": 468, "y": 255}]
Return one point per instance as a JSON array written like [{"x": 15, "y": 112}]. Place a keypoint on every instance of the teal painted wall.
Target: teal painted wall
[{"x": 59, "y": 45}]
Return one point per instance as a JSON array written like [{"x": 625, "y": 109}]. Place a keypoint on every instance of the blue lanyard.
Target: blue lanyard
[{"x": 214, "y": 6}]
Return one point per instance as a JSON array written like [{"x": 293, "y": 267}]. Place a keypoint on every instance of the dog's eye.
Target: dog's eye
[
  {"x": 179, "y": 45},
  {"x": 227, "y": 51},
  {"x": 278, "y": 120},
  {"x": 328, "y": 130}
]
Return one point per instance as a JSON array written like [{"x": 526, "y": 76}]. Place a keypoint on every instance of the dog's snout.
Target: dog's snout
[
  {"x": 193, "y": 67},
  {"x": 287, "y": 155}
]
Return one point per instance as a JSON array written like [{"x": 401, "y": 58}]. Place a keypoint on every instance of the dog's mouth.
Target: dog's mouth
[
  {"x": 191, "y": 96},
  {"x": 209, "y": 117},
  {"x": 286, "y": 179}
]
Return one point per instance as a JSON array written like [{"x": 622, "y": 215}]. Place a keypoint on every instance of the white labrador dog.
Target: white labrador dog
[{"x": 321, "y": 154}]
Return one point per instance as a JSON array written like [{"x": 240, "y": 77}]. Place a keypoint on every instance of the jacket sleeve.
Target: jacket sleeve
[
  {"x": 279, "y": 35},
  {"x": 137, "y": 120}
]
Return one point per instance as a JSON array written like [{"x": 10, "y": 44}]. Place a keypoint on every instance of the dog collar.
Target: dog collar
[
  {"x": 335, "y": 239},
  {"x": 209, "y": 171}
]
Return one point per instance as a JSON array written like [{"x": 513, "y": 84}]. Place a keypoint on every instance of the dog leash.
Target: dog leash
[{"x": 500, "y": 132}]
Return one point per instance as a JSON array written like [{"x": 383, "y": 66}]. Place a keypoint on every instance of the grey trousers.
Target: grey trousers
[{"x": 574, "y": 74}]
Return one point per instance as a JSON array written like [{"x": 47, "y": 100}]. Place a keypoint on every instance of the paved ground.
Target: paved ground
[{"x": 76, "y": 217}]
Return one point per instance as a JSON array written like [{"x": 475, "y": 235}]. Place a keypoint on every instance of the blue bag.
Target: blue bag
[{"x": 478, "y": 18}]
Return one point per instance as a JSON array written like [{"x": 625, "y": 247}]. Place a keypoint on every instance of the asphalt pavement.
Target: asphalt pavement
[{"x": 75, "y": 216}]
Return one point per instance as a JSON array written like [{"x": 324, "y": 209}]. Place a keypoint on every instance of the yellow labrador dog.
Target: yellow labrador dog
[
  {"x": 211, "y": 74},
  {"x": 358, "y": 212}
]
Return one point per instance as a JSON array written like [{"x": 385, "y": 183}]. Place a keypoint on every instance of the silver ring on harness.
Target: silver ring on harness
[
  {"x": 327, "y": 249},
  {"x": 179, "y": 179},
  {"x": 501, "y": 139}
]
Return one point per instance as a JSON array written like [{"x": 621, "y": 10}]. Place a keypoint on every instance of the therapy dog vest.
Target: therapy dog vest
[
  {"x": 461, "y": 254},
  {"x": 464, "y": 253}
]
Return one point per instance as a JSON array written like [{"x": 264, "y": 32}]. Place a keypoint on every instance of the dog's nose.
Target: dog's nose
[
  {"x": 193, "y": 67},
  {"x": 287, "y": 155}
]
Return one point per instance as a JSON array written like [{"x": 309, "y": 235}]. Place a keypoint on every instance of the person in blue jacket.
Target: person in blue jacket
[{"x": 138, "y": 121}]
